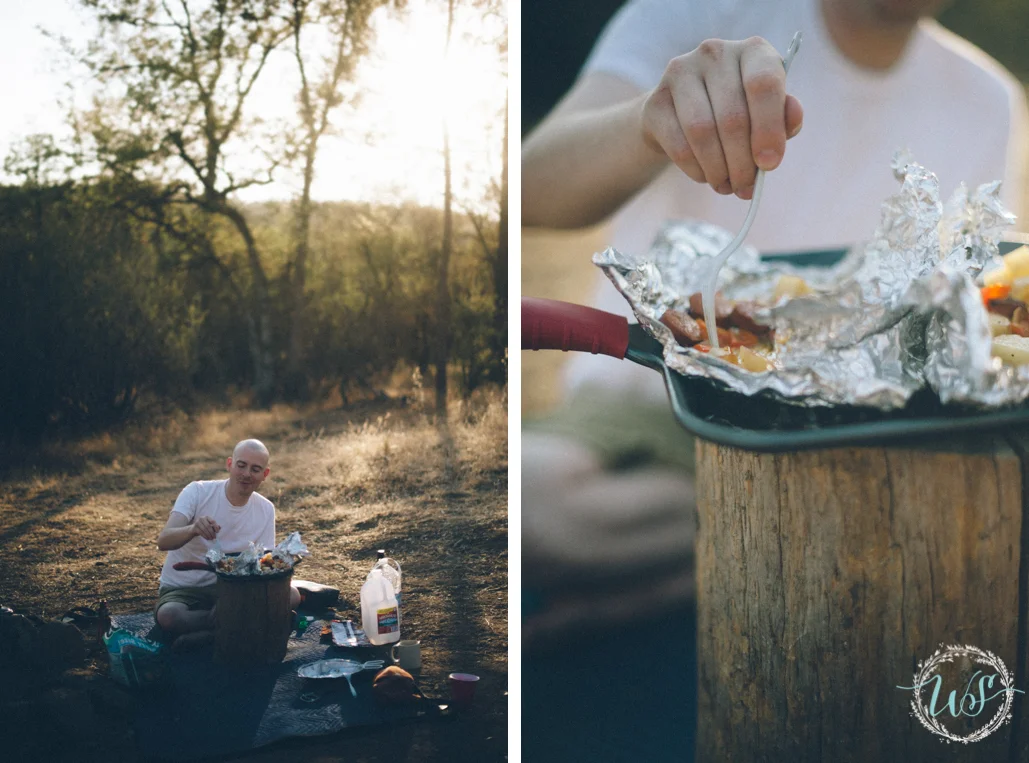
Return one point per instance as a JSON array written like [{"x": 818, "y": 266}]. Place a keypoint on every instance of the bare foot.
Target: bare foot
[{"x": 192, "y": 640}]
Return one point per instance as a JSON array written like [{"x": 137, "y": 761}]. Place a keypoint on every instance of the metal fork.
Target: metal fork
[{"x": 735, "y": 244}]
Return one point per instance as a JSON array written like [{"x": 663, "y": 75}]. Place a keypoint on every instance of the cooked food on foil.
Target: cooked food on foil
[
  {"x": 271, "y": 562},
  {"x": 226, "y": 564},
  {"x": 743, "y": 340},
  {"x": 1006, "y": 297}
]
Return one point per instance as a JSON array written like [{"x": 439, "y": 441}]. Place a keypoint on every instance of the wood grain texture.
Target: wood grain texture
[
  {"x": 825, "y": 577},
  {"x": 253, "y": 621}
]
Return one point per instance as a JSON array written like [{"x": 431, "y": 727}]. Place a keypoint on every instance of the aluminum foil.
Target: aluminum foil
[
  {"x": 248, "y": 562},
  {"x": 293, "y": 547},
  {"x": 959, "y": 366},
  {"x": 897, "y": 314}
]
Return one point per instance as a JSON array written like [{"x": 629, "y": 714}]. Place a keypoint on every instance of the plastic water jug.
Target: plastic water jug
[
  {"x": 380, "y": 612},
  {"x": 391, "y": 571}
]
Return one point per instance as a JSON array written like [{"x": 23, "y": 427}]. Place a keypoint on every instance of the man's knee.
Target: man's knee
[
  {"x": 169, "y": 616},
  {"x": 548, "y": 459}
]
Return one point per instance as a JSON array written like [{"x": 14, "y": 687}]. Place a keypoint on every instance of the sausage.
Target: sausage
[
  {"x": 1020, "y": 322},
  {"x": 742, "y": 338},
  {"x": 1005, "y": 306},
  {"x": 723, "y": 307},
  {"x": 685, "y": 329},
  {"x": 742, "y": 317},
  {"x": 724, "y": 337}
]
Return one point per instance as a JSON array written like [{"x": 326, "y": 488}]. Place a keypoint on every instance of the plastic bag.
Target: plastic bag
[{"x": 134, "y": 661}]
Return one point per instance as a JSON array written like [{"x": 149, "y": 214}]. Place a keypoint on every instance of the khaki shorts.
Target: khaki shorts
[
  {"x": 200, "y": 597},
  {"x": 625, "y": 434}
]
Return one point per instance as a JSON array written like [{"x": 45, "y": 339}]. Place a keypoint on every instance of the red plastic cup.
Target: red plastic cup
[{"x": 462, "y": 688}]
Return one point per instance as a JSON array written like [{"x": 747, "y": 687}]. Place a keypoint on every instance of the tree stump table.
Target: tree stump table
[
  {"x": 253, "y": 620},
  {"x": 825, "y": 577}
]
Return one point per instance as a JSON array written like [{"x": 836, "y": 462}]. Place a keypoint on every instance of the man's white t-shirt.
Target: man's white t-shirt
[
  {"x": 960, "y": 113},
  {"x": 240, "y": 525}
]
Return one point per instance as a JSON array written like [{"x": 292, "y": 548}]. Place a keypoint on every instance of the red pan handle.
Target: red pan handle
[
  {"x": 551, "y": 325},
  {"x": 192, "y": 566}
]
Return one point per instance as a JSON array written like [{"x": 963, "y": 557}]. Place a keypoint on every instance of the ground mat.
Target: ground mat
[{"x": 204, "y": 709}]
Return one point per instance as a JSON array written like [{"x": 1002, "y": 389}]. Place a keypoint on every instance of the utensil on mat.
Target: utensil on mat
[
  {"x": 346, "y": 635},
  {"x": 338, "y": 669}
]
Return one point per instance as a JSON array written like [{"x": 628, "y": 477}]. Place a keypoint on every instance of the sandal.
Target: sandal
[{"x": 83, "y": 618}]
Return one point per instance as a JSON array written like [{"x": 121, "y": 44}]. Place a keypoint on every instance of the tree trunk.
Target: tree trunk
[
  {"x": 825, "y": 578},
  {"x": 500, "y": 269},
  {"x": 253, "y": 621},
  {"x": 295, "y": 387},
  {"x": 443, "y": 284},
  {"x": 261, "y": 352}
]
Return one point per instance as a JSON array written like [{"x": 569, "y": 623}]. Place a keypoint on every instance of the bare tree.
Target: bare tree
[
  {"x": 443, "y": 279},
  {"x": 499, "y": 263}
]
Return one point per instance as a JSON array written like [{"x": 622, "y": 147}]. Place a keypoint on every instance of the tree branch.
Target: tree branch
[
  {"x": 275, "y": 38},
  {"x": 176, "y": 140}
]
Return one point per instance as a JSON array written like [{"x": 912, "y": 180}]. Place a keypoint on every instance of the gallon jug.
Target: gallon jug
[
  {"x": 380, "y": 613},
  {"x": 391, "y": 571}
]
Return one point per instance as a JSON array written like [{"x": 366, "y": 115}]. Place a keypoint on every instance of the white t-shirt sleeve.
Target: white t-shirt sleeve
[
  {"x": 644, "y": 35},
  {"x": 186, "y": 503}
]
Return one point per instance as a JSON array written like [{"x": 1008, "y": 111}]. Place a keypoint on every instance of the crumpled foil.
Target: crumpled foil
[
  {"x": 248, "y": 562},
  {"x": 959, "y": 367},
  {"x": 293, "y": 547},
  {"x": 895, "y": 315}
]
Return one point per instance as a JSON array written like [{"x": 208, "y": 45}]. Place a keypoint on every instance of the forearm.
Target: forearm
[
  {"x": 174, "y": 538},
  {"x": 580, "y": 167}
]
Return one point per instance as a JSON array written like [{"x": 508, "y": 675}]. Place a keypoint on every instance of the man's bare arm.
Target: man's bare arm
[
  {"x": 178, "y": 531},
  {"x": 586, "y": 158},
  {"x": 719, "y": 113}
]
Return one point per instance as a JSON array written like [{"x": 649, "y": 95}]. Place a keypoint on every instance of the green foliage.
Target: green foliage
[
  {"x": 996, "y": 26},
  {"x": 100, "y": 309},
  {"x": 90, "y": 318}
]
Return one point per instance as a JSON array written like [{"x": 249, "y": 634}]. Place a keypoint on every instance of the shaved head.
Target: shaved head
[
  {"x": 252, "y": 446},
  {"x": 248, "y": 468}
]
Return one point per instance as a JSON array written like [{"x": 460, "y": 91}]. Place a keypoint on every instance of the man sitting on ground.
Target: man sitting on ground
[{"x": 228, "y": 510}]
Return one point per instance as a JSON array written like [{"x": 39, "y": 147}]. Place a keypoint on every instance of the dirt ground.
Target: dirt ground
[{"x": 79, "y": 522}]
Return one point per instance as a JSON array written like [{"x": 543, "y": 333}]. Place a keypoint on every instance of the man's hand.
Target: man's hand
[
  {"x": 206, "y": 528},
  {"x": 721, "y": 112}
]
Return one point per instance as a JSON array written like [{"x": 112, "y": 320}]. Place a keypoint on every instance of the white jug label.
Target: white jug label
[{"x": 388, "y": 620}]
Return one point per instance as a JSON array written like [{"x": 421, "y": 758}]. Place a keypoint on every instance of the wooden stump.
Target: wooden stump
[
  {"x": 825, "y": 577},
  {"x": 253, "y": 620}
]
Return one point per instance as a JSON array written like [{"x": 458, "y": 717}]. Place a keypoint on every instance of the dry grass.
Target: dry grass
[{"x": 79, "y": 524}]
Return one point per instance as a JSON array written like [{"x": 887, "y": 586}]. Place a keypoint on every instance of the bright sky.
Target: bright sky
[{"x": 388, "y": 150}]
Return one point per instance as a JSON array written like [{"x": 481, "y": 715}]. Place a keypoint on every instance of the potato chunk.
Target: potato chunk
[
  {"x": 751, "y": 361},
  {"x": 996, "y": 276},
  {"x": 1011, "y": 349},
  {"x": 792, "y": 287},
  {"x": 1020, "y": 289},
  {"x": 1017, "y": 262},
  {"x": 999, "y": 324}
]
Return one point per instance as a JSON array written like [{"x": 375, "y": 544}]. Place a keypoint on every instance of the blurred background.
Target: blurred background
[{"x": 556, "y": 38}]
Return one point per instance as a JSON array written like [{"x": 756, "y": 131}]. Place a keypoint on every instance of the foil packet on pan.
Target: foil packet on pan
[
  {"x": 960, "y": 366},
  {"x": 894, "y": 315}
]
